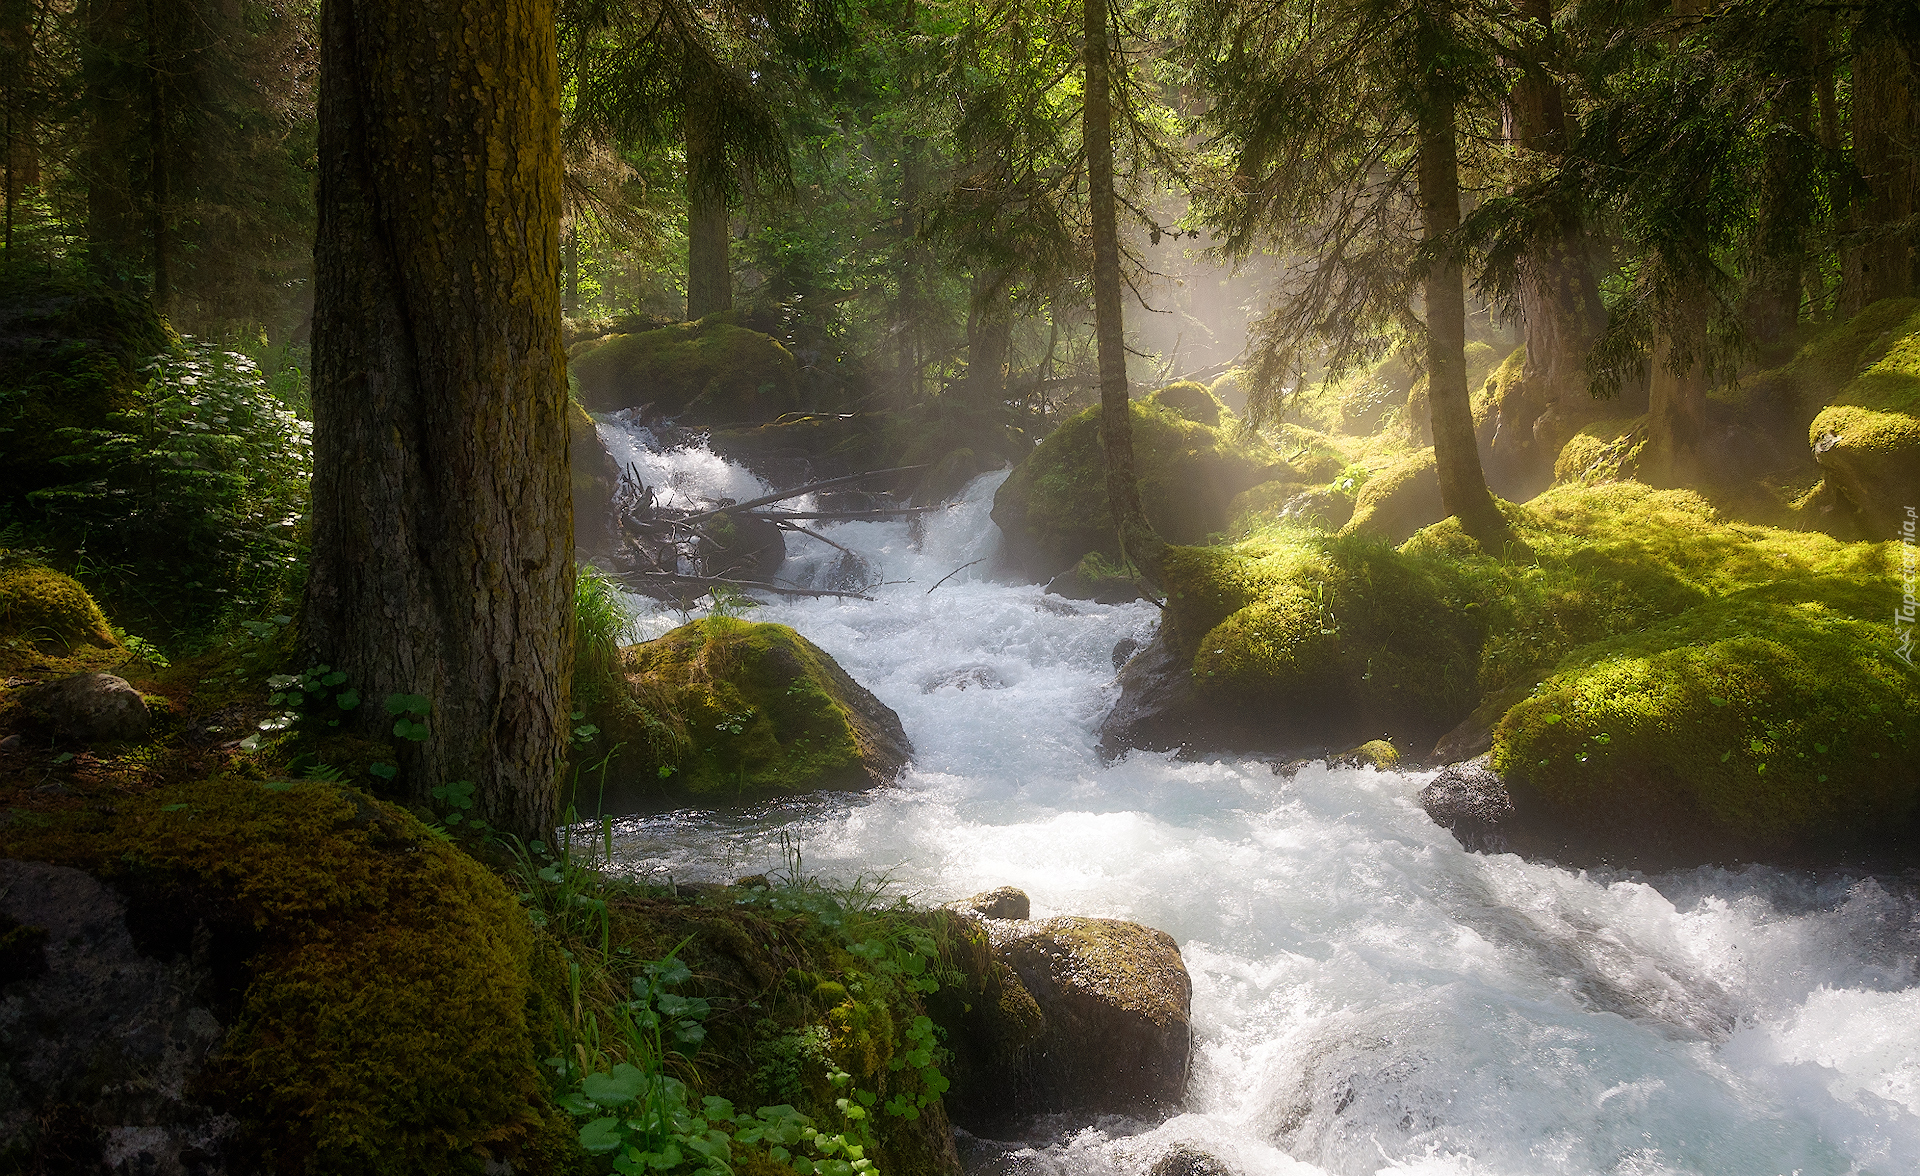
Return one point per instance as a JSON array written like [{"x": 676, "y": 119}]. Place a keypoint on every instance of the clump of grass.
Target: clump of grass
[{"x": 601, "y": 619}]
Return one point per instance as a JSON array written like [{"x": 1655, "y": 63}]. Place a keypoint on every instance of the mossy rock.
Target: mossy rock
[
  {"x": 1379, "y": 754},
  {"x": 1603, "y": 451},
  {"x": 725, "y": 708},
  {"x": 70, "y": 357},
  {"x": 594, "y": 478},
  {"x": 49, "y": 624},
  {"x": 1868, "y": 441},
  {"x": 381, "y": 1023},
  {"x": 1399, "y": 500},
  {"x": 1053, "y": 508},
  {"x": 1778, "y": 721},
  {"x": 1189, "y": 399},
  {"x": 706, "y": 372}
]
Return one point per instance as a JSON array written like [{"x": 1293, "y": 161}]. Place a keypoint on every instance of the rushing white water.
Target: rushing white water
[{"x": 1368, "y": 997}]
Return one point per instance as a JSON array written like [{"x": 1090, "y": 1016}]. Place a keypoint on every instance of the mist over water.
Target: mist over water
[{"x": 1368, "y": 997}]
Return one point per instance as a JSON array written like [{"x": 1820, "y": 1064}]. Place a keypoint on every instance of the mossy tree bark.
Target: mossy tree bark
[
  {"x": 1456, "y": 453},
  {"x": 1138, "y": 540},
  {"x": 442, "y": 523}
]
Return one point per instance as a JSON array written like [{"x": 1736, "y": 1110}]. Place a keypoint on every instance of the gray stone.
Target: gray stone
[
  {"x": 1471, "y": 800},
  {"x": 100, "y": 1042},
  {"x": 90, "y": 708},
  {"x": 1005, "y": 902},
  {"x": 1184, "y": 1159}
]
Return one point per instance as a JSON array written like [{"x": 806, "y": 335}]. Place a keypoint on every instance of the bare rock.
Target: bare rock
[
  {"x": 1471, "y": 800},
  {"x": 90, "y": 708},
  {"x": 1005, "y": 902},
  {"x": 100, "y": 1041},
  {"x": 1184, "y": 1159}
]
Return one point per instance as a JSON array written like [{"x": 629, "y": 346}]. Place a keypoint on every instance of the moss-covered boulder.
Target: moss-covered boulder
[
  {"x": 1399, "y": 500},
  {"x": 1053, "y": 508},
  {"x": 373, "y": 980},
  {"x": 1605, "y": 450},
  {"x": 594, "y": 478},
  {"x": 50, "y": 625},
  {"x": 1190, "y": 399},
  {"x": 707, "y": 372},
  {"x": 1300, "y": 643},
  {"x": 728, "y": 709},
  {"x": 1868, "y": 440},
  {"x": 1778, "y": 722}
]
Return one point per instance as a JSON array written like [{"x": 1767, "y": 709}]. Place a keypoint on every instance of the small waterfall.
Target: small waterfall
[{"x": 1367, "y": 996}]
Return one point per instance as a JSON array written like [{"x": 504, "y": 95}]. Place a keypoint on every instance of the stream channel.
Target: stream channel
[{"x": 1368, "y": 997}]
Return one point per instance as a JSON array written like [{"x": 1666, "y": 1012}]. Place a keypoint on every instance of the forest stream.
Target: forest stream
[{"x": 1367, "y": 995}]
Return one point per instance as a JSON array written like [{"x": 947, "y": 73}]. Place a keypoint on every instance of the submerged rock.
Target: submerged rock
[
  {"x": 1184, "y": 1159},
  {"x": 90, "y": 708},
  {"x": 727, "y": 708},
  {"x": 982, "y": 676}
]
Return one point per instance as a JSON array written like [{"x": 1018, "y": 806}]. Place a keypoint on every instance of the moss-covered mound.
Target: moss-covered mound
[
  {"x": 706, "y": 372},
  {"x": 1868, "y": 440},
  {"x": 381, "y": 1015},
  {"x": 1189, "y": 399},
  {"x": 1053, "y": 508},
  {"x": 70, "y": 357},
  {"x": 1399, "y": 500},
  {"x": 49, "y": 624},
  {"x": 1775, "y": 721},
  {"x": 731, "y": 709}
]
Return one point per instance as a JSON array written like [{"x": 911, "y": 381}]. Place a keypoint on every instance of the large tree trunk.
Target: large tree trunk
[
  {"x": 113, "y": 230},
  {"x": 1138, "y": 540},
  {"x": 989, "y": 339},
  {"x": 709, "y": 280},
  {"x": 1880, "y": 262},
  {"x": 442, "y": 525},
  {"x": 1463, "y": 487},
  {"x": 1776, "y": 288},
  {"x": 1560, "y": 308},
  {"x": 157, "y": 193}
]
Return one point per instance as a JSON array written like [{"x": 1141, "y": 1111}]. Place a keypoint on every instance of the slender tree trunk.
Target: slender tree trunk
[
  {"x": 442, "y": 521},
  {"x": 157, "y": 147},
  {"x": 1138, "y": 541},
  {"x": 571, "y": 302},
  {"x": 1560, "y": 308},
  {"x": 709, "y": 281},
  {"x": 1463, "y": 487},
  {"x": 989, "y": 339}
]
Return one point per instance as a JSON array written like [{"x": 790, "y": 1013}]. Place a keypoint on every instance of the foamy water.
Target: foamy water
[{"x": 1368, "y": 997}]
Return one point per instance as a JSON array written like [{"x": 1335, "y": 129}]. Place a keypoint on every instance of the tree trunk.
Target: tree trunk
[
  {"x": 1560, "y": 308},
  {"x": 1880, "y": 264},
  {"x": 112, "y": 227},
  {"x": 442, "y": 524},
  {"x": 157, "y": 196},
  {"x": 570, "y": 303},
  {"x": 709, "y": 281},
  {"x": 1138, "y": 541},
  {"x": 1676, "y": 409},
  {"x": 1776, "y": 287},
  {"x": 989, "y": 339},
  {"x": 1463, "y": 487}
]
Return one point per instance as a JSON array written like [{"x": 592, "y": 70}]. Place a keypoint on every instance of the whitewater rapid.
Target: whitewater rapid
[{"x": 1368, "y": 997}]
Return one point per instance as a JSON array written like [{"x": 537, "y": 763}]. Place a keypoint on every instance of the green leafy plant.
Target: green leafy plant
[
  {"x": 317, "y": 695},
  {"x": 410, "y": 713}
]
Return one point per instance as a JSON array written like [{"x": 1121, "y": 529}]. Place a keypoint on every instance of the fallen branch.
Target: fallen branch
[
  {"x": 716, "y": 582},
  {"x": 796, "y": 492},
  {"x": 847, "y": 515},
  {"x": 950, "y": 575},
  {"x": 785, "y": 526}
]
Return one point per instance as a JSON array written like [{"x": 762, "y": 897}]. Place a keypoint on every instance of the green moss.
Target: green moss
[
  {"x": 1375, "y": 753},
  {"x": 384, "y": 1027},
  {"x": 1867, "y": 430},
  {"x": 1825, "y": 369},
  {"x": 1053, "y": 508},
  {"x": 760, "y": 709},
  {"x": 1775, "y": 718},
  {"x": 49, "y": 624},
  {"x": 712, "y": 370},
  {"x": 1604, "y": 451},
  {"x": 1189, "y": 399},
  {"x": 1399, "y": 500}
]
